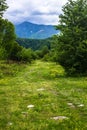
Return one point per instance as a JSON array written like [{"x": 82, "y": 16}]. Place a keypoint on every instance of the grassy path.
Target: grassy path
[{"x": 40, "y": 97}]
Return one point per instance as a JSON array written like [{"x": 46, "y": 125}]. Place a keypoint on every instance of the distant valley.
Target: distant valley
[{"x": 34, "y": 31}]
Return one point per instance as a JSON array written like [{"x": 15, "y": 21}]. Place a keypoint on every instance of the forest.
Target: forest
[{"x": 43, "y": 82}]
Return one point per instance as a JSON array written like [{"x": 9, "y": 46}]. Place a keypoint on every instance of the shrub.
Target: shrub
[{"x": 26, "y": 55}]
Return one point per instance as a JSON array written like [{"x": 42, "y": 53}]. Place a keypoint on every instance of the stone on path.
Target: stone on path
[
  {"x": 59, "y": 117},
  {"x": 40, "y": 89},
  {"x": 81, "y": 105},
  {"x": 70, "y": 104},
  {"x": 30, "y": 106}
]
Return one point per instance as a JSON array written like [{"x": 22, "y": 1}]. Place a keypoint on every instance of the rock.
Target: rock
[
  {"x": 40, "y": 89},
  {"x": 81, "y": 105},
  {"x": 30, "y": 106},
  {"x": 59, "y": 117}
]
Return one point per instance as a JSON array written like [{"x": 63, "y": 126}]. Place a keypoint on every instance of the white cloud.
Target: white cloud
[{"x": 39, "y": 11}]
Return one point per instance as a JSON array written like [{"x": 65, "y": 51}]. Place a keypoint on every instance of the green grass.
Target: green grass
[{"x": 59, "y": 102}]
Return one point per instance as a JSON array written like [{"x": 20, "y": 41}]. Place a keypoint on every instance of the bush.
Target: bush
[
  {"x": 14, "y": 51},
  {"x": 26, "y": 55},
  {"x": 41, "y": 53}
]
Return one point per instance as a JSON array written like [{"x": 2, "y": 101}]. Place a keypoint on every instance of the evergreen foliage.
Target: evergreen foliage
[{"x": 72, "y": 42}]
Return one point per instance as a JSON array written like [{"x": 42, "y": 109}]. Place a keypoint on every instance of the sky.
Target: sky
[{"x": 35, "y": 11}]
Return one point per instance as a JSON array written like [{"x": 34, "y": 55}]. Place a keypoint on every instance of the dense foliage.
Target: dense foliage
[
  {"x": 34, "y": 44},
  {"x": 9, "y": 48},
  {"x": 72, "y": 42},
  {"x": 41, "y": 47}
]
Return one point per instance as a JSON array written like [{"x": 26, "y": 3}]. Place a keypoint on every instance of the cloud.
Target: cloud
[{"x": 39, "y": 11}]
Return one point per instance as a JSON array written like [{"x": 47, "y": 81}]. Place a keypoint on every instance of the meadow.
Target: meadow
[{"x": 39, "y": 96}]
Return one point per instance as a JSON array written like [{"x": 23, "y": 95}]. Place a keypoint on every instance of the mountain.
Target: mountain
[{"x": 34, "y": 31}]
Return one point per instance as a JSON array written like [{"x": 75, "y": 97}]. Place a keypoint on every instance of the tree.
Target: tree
[
  {"x": 9, "y": 48},
  {"x": 3, "y": 7},
  {"x": 26, "y": 55},
  {"x": 9, "y": 37},
  {"x": 72, "y": 41},
  {"x": 2, "y": 25}
]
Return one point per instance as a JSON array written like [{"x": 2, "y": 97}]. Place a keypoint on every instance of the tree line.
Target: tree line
[{"x": 34, "y": 44}]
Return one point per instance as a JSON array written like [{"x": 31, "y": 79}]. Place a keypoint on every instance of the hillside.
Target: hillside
[
  {"x": 41, "y": 97},
  {"x": 34, "y": 44},
  {"x": 34, "y": 31}
]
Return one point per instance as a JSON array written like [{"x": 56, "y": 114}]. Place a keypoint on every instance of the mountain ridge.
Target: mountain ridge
[{"x": 34, "y": 31}]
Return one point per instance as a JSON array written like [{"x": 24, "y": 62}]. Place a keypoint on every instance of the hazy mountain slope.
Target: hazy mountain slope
[{"x": 35, "y": 31}]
